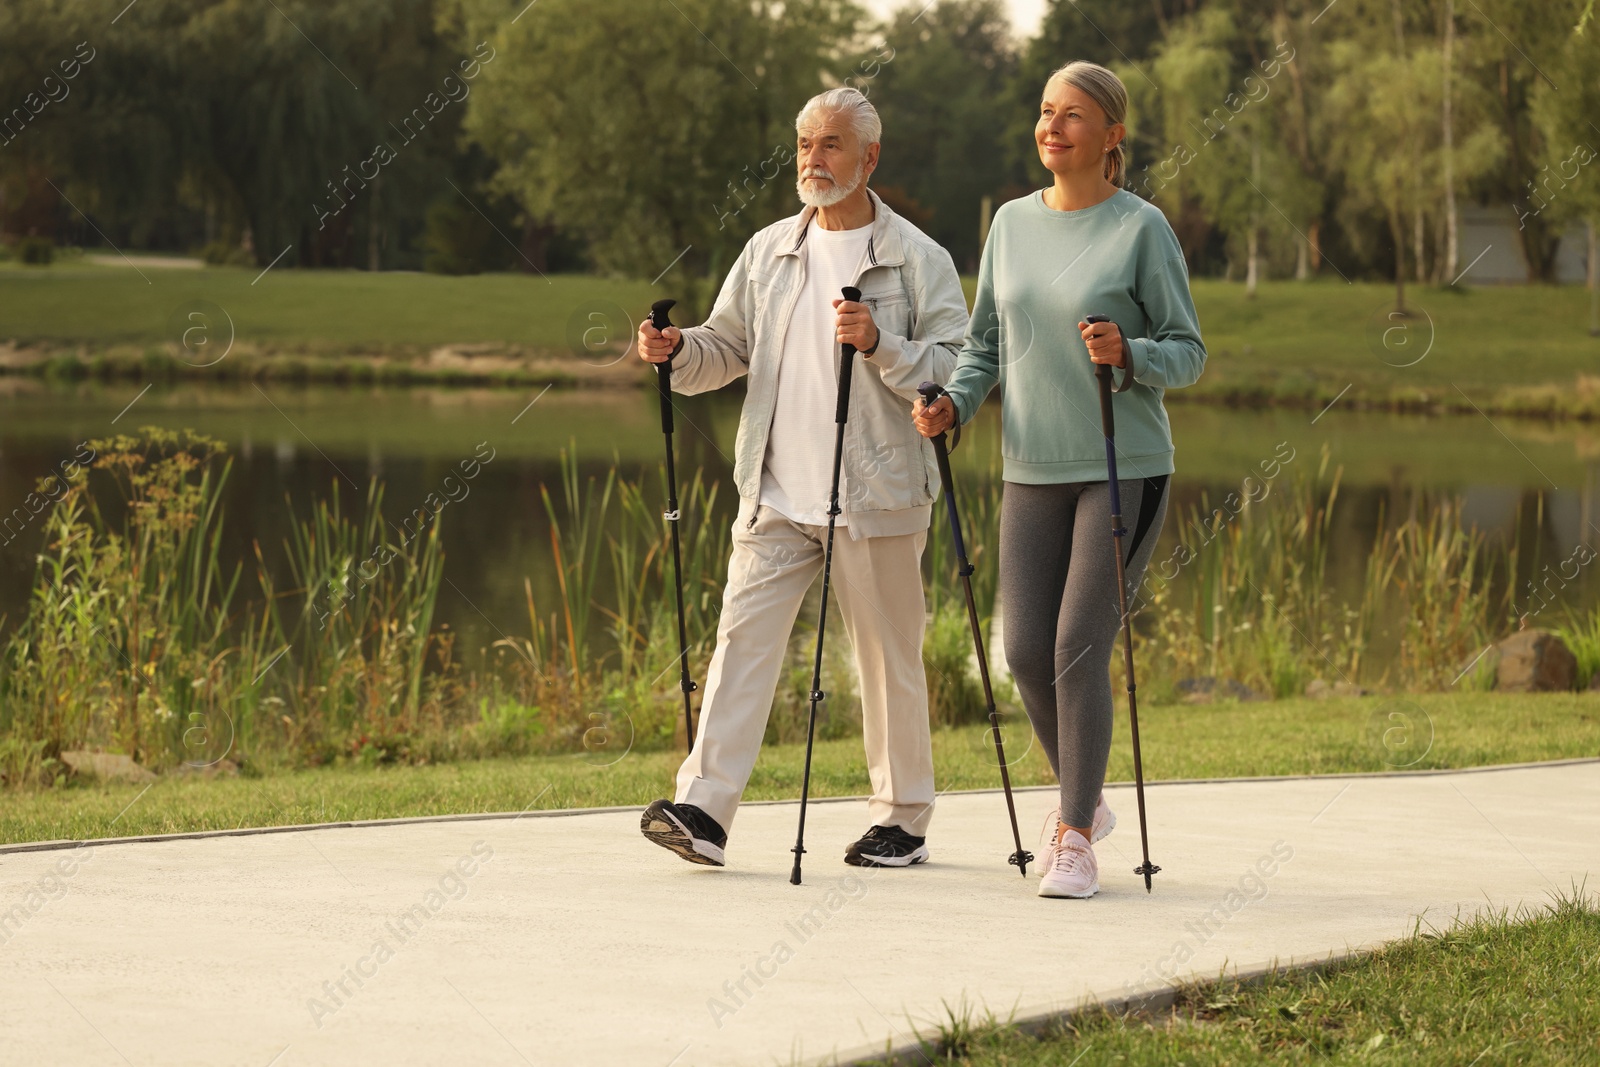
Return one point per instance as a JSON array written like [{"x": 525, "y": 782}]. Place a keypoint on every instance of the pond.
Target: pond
[{"x": 294, "y": 445}]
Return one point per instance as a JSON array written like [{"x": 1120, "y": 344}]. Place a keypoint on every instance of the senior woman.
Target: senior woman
[{"x": 1084, "y": 246}]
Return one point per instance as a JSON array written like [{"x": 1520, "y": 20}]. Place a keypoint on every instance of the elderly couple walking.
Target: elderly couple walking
[{"x": 1084, "y": 246}]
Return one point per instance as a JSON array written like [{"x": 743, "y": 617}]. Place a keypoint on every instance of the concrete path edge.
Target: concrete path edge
[
  {"x": 1147, "y": 1005},
  {"x": 250, "y": 831}
]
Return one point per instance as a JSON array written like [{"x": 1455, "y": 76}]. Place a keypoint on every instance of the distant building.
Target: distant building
[{"x": 1491, "y": 233}]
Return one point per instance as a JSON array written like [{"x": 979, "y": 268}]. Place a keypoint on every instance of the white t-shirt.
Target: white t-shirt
[{"x": 798, "y": 471}]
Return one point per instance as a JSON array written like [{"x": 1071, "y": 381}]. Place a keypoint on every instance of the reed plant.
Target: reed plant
[{"x": 141, "y": 637}]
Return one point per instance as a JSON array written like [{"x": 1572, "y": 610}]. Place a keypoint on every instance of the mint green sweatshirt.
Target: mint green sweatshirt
[{"x": 1043, "y": 272}]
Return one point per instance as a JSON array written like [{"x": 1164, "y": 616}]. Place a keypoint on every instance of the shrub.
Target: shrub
[{"x": 36, "y": 251}]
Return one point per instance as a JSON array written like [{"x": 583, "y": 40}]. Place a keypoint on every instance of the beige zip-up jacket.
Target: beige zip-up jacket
[{"x": 914, "y": 293}]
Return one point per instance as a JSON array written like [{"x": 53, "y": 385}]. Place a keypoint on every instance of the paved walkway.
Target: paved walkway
[{"x": 570, "y": 940}]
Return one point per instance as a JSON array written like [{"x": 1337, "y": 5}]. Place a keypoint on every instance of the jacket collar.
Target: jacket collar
[{"x": 884, "y": 248}]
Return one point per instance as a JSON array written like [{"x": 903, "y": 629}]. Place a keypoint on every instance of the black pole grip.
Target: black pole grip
[
  {"x": 1102, "y": 371},
  {"x": 847, "y": 359},
  {"x": 660, "y": 318}
]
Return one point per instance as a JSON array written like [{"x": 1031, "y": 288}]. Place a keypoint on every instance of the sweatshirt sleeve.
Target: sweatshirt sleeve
[
  {"x": 978, "y": 364},
  {"x": 1173, "y": 355},
  {"x": 941, "y": 320},
  {"x": 717, "y": 351}
]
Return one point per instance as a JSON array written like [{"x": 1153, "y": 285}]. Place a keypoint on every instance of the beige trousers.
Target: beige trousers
[{"x": 877, "y": 583}]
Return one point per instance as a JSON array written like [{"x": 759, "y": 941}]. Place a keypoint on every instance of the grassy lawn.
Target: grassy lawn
[
  {"x": 1500, "y": 989},
  {"x": 1296, "y": 342},
  {"x": 1221, "y": 740},
  {"x": 350, "y": 309}
]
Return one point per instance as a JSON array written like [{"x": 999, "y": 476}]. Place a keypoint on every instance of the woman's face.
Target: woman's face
[{"x": 1071, "y": 132}]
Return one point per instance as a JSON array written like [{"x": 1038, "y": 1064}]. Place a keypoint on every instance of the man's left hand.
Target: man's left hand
[{"x": 855, "y": 325}]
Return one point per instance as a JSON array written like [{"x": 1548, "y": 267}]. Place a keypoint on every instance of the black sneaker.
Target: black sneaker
[
  {"x": 686, "y": 830},
  {"x": 887, "y": 846}
]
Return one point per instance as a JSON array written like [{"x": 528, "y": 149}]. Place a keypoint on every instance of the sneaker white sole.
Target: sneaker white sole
[
  {"x": 1062, "y": 893},
  {"x": 666, "y": 830},
  {"x": 919, "y": 855}
]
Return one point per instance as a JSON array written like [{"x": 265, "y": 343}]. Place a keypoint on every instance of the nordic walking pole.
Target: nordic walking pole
[
  {"x": 847, "y": 359},
  {"x": 1108, "y": 427},
  {"x": 932, "y": 391},
  {"x": 660, "y": 319}
]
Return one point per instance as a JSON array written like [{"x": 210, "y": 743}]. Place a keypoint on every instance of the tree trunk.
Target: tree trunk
[
  {"x": 1397, "y": 231},
  {"x": 1418, "y": 244},
  {"x": 1302, "y": 259},
  {"x": 1254, "y": 240},
  {"x": 534, "y": 246},
  {"x": 1250, "y": 263},
  {"x": 1314, "y": 236},
  {"x": 1451, "y": 247},
  {"x": 374, "y": 229},
  {"x": 1594, "y": 278}
]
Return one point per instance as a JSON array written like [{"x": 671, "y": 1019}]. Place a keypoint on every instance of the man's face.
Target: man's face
[{"x": 831, "y": 160}]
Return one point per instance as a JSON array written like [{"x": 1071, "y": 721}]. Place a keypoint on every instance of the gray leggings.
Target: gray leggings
[{"x": 1058, "y": 592}]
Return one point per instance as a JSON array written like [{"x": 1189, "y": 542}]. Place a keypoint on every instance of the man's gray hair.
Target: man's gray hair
[{"x": 850, "y": 104}]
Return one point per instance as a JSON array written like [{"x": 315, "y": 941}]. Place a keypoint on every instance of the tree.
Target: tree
[
  {"x": 662, "y": 131},
  {"x": 1569, "y": 181},
  {"x": 259, "y": 117},
  {"x": 936, "y": 94}
]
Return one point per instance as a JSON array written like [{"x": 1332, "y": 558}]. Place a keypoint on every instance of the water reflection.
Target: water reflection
[{"x": 294, "y": 445}]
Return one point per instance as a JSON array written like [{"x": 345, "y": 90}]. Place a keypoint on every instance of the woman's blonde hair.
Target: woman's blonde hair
[{"x": 1108, "y": 92}]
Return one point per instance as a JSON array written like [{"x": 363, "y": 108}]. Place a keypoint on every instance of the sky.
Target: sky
[{"x": 1025, "y": 14}]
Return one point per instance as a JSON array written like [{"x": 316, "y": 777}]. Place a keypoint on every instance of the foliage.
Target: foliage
[
  {"x": 934, "y": 82},
  {"x": 626, "y": 122}
]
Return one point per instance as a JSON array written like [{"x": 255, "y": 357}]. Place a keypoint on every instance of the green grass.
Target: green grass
[
  {"x": 1180, "y": 741},
  {"x": 1297, "y": 343},
  {"x": 1494, "y": 989},
  {"x": 358, "y": 310}
]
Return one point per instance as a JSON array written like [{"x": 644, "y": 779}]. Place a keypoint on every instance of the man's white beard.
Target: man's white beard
[{"x": 834, "y": 193}]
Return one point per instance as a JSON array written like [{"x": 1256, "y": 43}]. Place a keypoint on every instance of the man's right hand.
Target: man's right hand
[
  {"x": 934, "y": 419},
  {"x": 655, "y": 346}
]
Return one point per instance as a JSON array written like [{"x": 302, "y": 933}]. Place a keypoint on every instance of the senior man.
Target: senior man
[{"x": 780, "y": 319}]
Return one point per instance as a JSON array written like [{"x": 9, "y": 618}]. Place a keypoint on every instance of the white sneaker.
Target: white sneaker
[
  {"x": 1070, "y": 869},
  {"x": 1104, "y": 821}
]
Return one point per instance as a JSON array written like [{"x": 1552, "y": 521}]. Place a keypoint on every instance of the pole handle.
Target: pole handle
[
  {"x": 847, "y": 359},
  {"x": 661, "y": 318},
  {"x": 1102, "y": 371}
]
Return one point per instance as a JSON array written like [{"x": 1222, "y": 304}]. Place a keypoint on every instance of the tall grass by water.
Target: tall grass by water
[{"x": 141, "y": 637}]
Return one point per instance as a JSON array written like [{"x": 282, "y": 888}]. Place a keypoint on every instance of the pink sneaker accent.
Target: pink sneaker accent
[{"x": 1070, "y": 869}]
